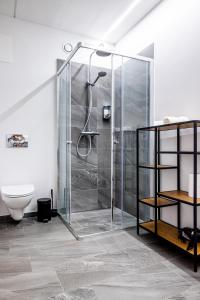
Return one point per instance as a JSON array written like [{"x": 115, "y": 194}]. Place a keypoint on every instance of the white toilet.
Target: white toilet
[{"x": 17, "y": 198}]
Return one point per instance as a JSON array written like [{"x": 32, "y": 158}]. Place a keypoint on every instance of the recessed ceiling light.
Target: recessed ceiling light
[{"x": 120, "y": 19}]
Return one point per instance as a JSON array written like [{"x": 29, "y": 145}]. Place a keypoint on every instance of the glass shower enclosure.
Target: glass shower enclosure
[{"x": 102, "y": 98}]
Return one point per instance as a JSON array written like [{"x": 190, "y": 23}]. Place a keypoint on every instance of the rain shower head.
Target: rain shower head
[{"x": 102, "y": 53}]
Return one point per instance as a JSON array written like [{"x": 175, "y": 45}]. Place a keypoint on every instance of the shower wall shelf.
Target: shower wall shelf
[{"x": 176, "y": 197}]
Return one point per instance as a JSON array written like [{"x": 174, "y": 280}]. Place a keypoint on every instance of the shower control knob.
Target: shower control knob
[
  {"x": 68, "y": 142},
  {"x": 116, "y": 142}
]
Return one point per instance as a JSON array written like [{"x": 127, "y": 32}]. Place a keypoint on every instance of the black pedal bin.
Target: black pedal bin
[{"x": 44, "y": 209}]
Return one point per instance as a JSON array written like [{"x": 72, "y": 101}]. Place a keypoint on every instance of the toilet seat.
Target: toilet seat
[{"x": 15, "y": 191}]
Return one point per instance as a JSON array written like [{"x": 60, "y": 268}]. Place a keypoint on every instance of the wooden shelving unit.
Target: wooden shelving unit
[
  {"x": 176, "y": 197},
  {"x": 169, "y": 233},
  {"x": 179, "y": 196},
  {"x": 161, "y": 202}
]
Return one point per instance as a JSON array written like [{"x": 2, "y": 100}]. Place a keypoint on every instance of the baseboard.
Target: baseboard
[
  {"x": 7, "y": 218},
  {"x": 54, "y": 212},
  {"x": 30, "y": 214}
]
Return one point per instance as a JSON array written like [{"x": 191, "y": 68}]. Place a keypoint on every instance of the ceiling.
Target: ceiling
[{"x": 89, "y": 18}]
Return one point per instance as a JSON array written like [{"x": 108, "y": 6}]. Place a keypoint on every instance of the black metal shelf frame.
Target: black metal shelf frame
[
  {"x": 194, "y": 124},
  {"x": 178, "y": 152},
  {"x": 159, "y": 168}
]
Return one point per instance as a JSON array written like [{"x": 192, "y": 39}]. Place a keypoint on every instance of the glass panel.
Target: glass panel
[
  {"x": 91, "y": 153},
  {"x": 97, "y": 152},
  {"x": 64, "y": 146},
  {"x": 132, "y": 102},
  {"x": 117, "y": 206}
]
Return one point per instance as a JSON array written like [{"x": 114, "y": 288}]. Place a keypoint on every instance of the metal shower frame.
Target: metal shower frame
[{"x": 151, "y": 104}]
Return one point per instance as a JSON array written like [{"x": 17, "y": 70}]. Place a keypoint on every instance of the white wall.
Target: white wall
[
  {"x": 174, "y": 28},
  {"x": 35, "y": 49}
]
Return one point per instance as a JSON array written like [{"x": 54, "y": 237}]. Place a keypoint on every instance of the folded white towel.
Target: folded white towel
[
  {"x": 172, "y": 119},
  {"x": 157, "y": 123}
]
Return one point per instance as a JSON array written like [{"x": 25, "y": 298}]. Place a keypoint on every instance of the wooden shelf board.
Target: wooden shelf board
[
  {"x": 179, "y": 196},
  {"x": 152, "y": 166},
  {"x": 160, "y": 201},
  {"x": 169, "y": 233}
]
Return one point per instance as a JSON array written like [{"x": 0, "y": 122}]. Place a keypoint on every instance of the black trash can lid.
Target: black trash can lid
[{"x": 44, "y": 200}]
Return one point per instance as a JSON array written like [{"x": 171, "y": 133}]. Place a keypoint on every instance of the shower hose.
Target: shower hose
[{"x": 85, "y": 126}]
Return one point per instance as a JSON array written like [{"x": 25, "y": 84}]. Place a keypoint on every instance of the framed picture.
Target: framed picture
[{"x": 16, "y": 140}]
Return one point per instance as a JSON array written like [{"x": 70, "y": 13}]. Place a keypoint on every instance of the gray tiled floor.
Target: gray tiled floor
[
  {"x": 43, "y": 261},
  {"x": 98, "y": 221}
]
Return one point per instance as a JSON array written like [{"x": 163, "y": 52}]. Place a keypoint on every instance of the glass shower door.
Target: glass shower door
[
  {"x": 131, "y": 110},
  {"x": 64, "y": 143},
  {"x": 97, "y": 190}
]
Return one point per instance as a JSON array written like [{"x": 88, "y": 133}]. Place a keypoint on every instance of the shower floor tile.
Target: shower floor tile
[{"x": 98, "y": 221}]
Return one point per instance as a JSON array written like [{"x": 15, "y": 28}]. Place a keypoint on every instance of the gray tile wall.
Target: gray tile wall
[
  {"x": 91, "y": 176},
  {"x": 91, "y": 186},
  {"x": 131, "y": 112}
]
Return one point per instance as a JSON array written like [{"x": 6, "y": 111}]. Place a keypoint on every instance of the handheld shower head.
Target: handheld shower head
[{"x": 100, "y": 74}]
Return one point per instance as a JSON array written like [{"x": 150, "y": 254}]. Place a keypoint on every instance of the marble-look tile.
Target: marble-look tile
[
  {"x": 11, "y": 231},
  {"x": 91, "y": 229},
  {"x": 192, "y": 293},
  {"x": 104, "y": 178},
  {"x": 8, "y": 295},
  {"x": 144, "y": 181},
  {"x": 4, "y": 247},
  {"x": 101, "y": 96},
  {"x": 129, "y": 203},
  {"x": 82, "y": 200},
  {"x": 104, "y": 82},
  {"x": 37, "y": 285},
  {"x": 102, "y": 123},
  {"x": 83, "y": 294},
  {"x": 130, "y": 158},
  {"x": 157, "y": 285},
  {"x": 78, "y": 294},
  {"x": 75, "y": 280},
  {"x": 135, "y": 94},
  {"x": 115, "y": 265},
  {"x": 104, "y": 198},
  {"x": 79, "y": 162},
  {"x": 117, "y": 157},
  {"x": 135, "y": 109},
  {"x": 79, "y": 115},
  {"x": 84, "y": 179},
  {"x": 84, "y": 142},
  {"x": 104, "y": 158},
  {"x": 11, "y": 264},
  {"x": 61, "y": 296},
  {"x": 129, "y": 138},
  {"x": 90, "y": 222},
  {"x": 104, "y": 139},
  {"x": 79, "y": 92}
]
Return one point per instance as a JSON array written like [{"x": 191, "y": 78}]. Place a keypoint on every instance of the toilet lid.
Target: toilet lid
[{"x": 17, "y": 190}]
